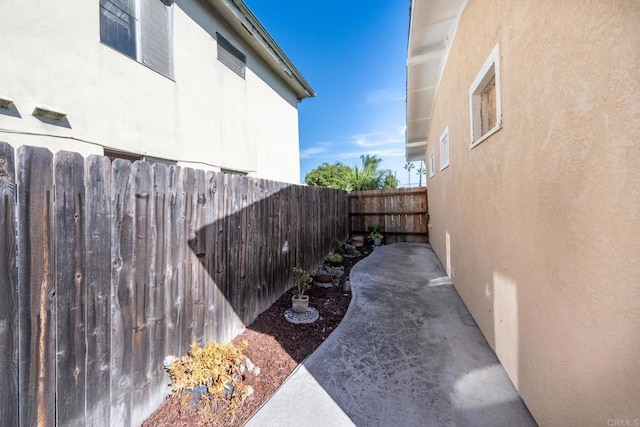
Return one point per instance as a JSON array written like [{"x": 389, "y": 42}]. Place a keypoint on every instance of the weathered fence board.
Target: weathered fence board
[
  {"x": 122, "y": 249},
  {"x": 402, "y": 212},
  {"x": 8, "y": 289},
  {"x": 142, "y": 264},
  {"x": 98, "y": 288},
  {"x": 69, "y": 278},
  {"x": 36, "y": 288},
  {"x": 159, "y": 279},
  {"x": 117, "y": 265}
]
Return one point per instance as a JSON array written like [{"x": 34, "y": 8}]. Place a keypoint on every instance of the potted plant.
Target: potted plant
[
  {"x": 333, "y": 258},
  {"x": 325, "y": 275},
  {"x": 377, "y": 238},
  {"x": 302, "y": 279}
]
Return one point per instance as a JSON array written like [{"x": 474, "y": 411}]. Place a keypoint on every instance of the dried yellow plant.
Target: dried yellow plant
[{"x": 218, "y": 368}]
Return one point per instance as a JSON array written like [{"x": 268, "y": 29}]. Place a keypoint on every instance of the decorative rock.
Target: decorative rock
[
  {"x": 323, "y": 284},
  {"x": 349, "y": 251},
  {"x": 347, "y": 286},
  {"x": 309, "y": 316}
]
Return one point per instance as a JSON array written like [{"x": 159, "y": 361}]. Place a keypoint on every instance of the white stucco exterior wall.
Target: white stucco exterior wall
[{"x": 206, "y": 117}]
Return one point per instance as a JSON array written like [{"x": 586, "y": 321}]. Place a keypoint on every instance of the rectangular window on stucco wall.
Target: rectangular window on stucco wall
[
  {"x": 484, "y": 100},
  {"x": 444, "y": 148}
]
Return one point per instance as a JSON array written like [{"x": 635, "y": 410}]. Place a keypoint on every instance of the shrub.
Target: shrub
[
  {"x": 333, "y": 258},
  {"x": 212, "y": 373}
]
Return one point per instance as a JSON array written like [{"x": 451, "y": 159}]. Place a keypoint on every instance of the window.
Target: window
[
  {"x": 132, "y": 157},
  {"x": 484, "y": 100},
  {"x": 141, "y": 29},
  {"x": 432, "y": 164},
  {"x": 230, "y": 56},
  {"x": 113, "y": 154},
  {"x": 232, "y": 172},
  {"x": 444, "y": 149}
]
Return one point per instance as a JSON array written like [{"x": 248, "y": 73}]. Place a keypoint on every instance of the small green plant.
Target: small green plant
[
  {"x": 302, "y": 280},
  {"x": 211, "y": 374},
  {"x": 333, "y": 258},
  {"x": 375, "y": 229},
  {"x": 376, "y": 235}
]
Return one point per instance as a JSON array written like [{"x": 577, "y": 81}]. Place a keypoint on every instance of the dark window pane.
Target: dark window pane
[{"x": 117, "y": 28}]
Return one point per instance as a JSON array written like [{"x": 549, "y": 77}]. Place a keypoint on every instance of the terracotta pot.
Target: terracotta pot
[
  {"x": 300, "y": 304},
  {"x": 324, "y": 278},
  {"x": 357, "y": 241}
]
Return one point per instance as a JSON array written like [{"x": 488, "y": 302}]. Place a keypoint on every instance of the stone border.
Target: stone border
[{"x": 309, "y": 316}]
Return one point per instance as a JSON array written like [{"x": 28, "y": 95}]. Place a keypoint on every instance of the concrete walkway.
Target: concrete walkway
[{"x": 407, "y": 353}]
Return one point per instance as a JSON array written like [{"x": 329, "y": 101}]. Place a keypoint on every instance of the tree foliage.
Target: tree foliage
[
  {"x": 327, "y": 175},
  {"x": 367, "y": 176},
  {"x": 390, "y": 182}
]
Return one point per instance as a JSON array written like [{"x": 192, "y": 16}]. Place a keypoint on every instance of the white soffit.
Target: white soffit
[{"x": 431, "y": 24}]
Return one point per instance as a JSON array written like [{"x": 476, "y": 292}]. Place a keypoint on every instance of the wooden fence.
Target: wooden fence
[
  {"x": 105, "y": 269},
  {"x": 403, "y": 213}
]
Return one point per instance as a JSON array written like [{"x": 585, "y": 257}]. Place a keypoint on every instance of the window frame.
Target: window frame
[
  {"x": 432, "y": 164},
  {"x": 444, "y": 160},
  {"x": 137, "y": 18},
  {"x": 490, "y": 69}
]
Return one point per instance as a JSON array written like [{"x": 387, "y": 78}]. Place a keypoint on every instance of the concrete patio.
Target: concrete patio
[{"x": 408, "y": 353}]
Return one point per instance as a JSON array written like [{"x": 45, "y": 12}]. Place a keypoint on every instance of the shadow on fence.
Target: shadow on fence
[{"x": 107, "y": 268}]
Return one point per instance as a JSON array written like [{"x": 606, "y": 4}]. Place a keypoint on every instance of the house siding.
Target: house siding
[
  {"x": 539, "y": 225},
  {"x": 207, "y": 117}
]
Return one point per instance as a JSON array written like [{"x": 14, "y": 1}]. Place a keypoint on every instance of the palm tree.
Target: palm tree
[
  {"x": 408, "y": 166},
  {"x": 421, "y": 171},
  {"x": 370, "y": 177}
]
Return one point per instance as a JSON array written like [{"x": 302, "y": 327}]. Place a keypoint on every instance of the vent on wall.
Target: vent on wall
[
  {"x": 49, "y": 113},
  {"x": 6, "y": 102},
  {"x": 230, "y": 56}
]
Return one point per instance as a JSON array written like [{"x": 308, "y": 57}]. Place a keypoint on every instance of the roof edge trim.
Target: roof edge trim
[{"x": 272, "y": 45}]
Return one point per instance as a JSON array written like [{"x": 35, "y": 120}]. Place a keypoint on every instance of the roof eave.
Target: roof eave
[
  {"x": 251, "y": 30},
  {"x": 427, "y": 50}
]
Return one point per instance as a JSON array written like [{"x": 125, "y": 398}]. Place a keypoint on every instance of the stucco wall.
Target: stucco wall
[
  {"x": 539, "y": 225},
  {"x": 207, "y": 117}
]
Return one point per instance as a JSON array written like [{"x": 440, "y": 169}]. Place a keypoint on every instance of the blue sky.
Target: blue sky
[{"x": 353, "y": 53}]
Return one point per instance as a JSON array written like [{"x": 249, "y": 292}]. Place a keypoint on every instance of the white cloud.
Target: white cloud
[
  {"x": 381, "y": 153},
  {"x": 312, "y": 151},
  {"x": 379, "y": 138},
  {"x": 387, "y": 143},
  {"x": 384, "y": 95},
  {"x": 376, "y": 139}
]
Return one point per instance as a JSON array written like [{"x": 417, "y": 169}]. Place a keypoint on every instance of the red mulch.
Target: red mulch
[{"x": 276, "y": 347}]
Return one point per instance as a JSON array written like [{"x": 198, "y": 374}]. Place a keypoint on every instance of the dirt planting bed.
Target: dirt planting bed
[{"x": 276, "y": 347}]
